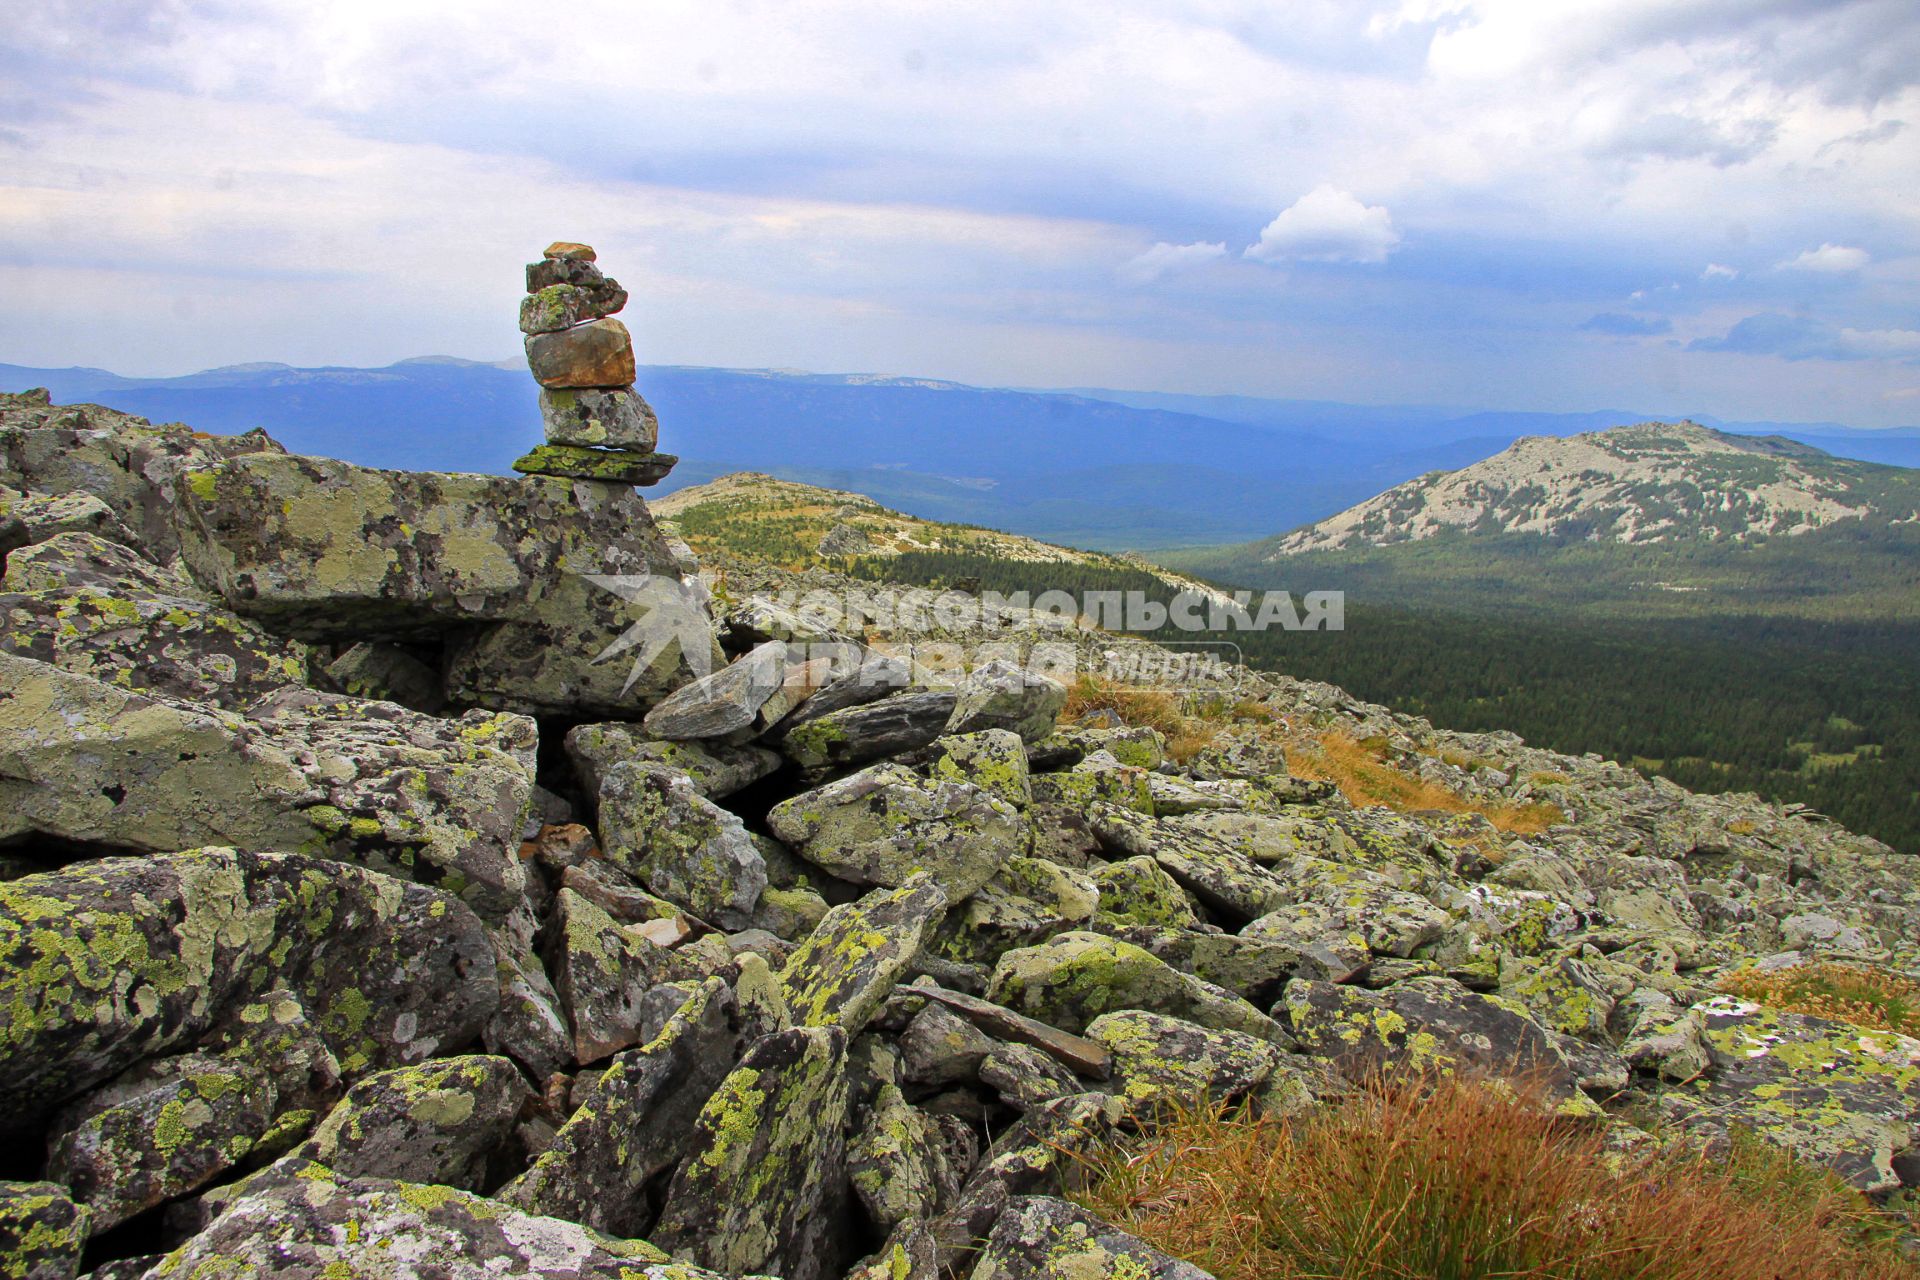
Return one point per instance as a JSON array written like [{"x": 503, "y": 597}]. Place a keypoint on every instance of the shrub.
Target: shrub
[{"x": 1453, "y": 1180}]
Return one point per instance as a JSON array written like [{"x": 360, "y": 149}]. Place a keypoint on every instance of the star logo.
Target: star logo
[{"x": 672, "y": 617}]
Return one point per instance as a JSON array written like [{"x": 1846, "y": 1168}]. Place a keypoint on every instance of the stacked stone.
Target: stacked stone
[{"x": 597, "y": 426}]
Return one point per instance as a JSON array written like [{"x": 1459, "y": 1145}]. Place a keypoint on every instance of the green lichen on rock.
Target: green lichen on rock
[
  {"x": 636, "y": 1121},
  {"x": 609, "y": 466},
  {"x": 655, "y": 825},
  {"x": 435, "y": 1122},
  {"x": 42, "y": 1232},
  {"x": 767, "y": 1156},
  {"x": 848, "y": 966},
  {"x": 1158, "y": 1060},
  {"x": 1834, "y": 1094},
  {"x": 1138, "y": 890},
  {"x": 1072, "y": 979},
  {"x": 303, "y": 1222},
  {"x": 107, "y": 963},
  {"x": 885, "y": 824}
]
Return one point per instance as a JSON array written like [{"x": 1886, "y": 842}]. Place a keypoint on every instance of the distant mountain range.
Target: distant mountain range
[{"x": 1089, "y": 467}]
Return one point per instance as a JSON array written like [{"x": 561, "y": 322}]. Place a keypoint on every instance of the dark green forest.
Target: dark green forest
[{"x": 1798, "y": 700}]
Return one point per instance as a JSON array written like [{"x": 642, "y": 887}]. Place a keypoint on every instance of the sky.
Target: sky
[{"x": 1684, "y": 206}]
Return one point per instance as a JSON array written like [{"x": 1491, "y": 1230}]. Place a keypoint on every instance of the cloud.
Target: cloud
[
  {"x": 1627, "y": 326},
  {"x": 1671, "y": 135},
  {"x": 1327, "y": 225},
  {"x": 1902, "y": 393},
  {"x": 1805, "y": 338},
  {"x": 1830, "y": 259},
  {"x": 1719, "y": 271},
  {"x": 1164, "y": 258}
]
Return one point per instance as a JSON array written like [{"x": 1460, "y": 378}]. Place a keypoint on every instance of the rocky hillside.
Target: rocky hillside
[
  {"x": 757, "y": 518},
  {"x": 1655, "y": 482},
  {"x": 407, "y": 874}
]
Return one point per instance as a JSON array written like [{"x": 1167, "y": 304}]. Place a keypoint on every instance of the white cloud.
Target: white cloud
[
  {"x": 1328, "y": 225},
  {"x": 1164, "y": 258},
  {"x": 1719, "y": 271},
  {"x": 1831, "y": 259}
]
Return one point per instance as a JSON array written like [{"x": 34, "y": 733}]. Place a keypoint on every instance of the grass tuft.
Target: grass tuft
[
  {"x": 1359, "y": 767},
  {"x": 1451, "y": 1180},
  {"x": 1856, "y": 994}
]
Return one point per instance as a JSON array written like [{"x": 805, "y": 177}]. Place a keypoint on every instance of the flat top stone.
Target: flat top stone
[{"x": 571, "y": 250}]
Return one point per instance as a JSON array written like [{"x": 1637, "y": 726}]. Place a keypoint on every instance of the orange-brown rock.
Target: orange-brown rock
[
  {"x": 570, "y": 250},
  {"x": 596, "y": 354}
]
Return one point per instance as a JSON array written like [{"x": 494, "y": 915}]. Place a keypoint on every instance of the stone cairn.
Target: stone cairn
[{"x": 597, "y": 426}]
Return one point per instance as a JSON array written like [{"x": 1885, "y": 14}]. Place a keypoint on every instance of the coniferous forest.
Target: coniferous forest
[{"x": 1811, "y": 696}]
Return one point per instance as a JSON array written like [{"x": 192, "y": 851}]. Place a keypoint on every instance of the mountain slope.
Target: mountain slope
[
  {"x": 752, "y": 516},
  {"x": 1653, "y": 482}
]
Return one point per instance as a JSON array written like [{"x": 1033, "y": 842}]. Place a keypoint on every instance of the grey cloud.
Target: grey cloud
[
  {"x": 1807, "y": 338},
  {"x": 1622, "y": 325},
  {"x": 1671, "y": 136}
]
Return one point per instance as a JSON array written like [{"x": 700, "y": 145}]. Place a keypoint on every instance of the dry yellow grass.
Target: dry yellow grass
[
  {"x": 1449, "y": 1178},
  {"x": 1856, "y": 994},
  {"x": 1186, "y": 734},
  {"x": 1360, "y": 769}
]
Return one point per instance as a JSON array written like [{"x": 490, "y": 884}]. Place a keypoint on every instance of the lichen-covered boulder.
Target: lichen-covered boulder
[
  {"x": 1027, "y": 901},
  {"x": 906, "y": 1165},
  {"x": 994, "y": 760},
  {"x": 173, "y": 645},
  {"x": 884, "y": 824},
  {"x": 440, "y": 801},
  {"x": 1255, "y": 968},
  {"x": 329, "y": 550},
  {"x": 1431, "y": 1024},
  {"x": 110, "y": 962},
  {"x": 657, "y": 827},
  {"x": 306, "y": 1223},
  {"x": 724, "y": 703},
  {"x": 1072, "y": 979},
  {"x": 891, "y": 726},
  {"x": 848, "y": 966},
  {"x": 757, "y": 1189},
  {"x": 1158, "y": 1059},
  {"x": 436, "y": 1122},
  {"x": 1833, "y": 1094},
  {"x": 42, "y": 1232},
  {"x": 636, "y": 1120},
  {"x": 1138, "y": 891},
  {"x": 1026, "y": 1078},
  {"x": 39, "y": 517},
  {"x": 528, "y": 1026},
  {"x": 70, "y": 561},
  {"x": 715, "y": 769},
  {"x": 86, "y": 762},
  {"x": 1001, "y": 695},
  {"x": 1225, "y": 880},
  {"x": 939, "y": 1048},
  {"x": 1030, "y": 1156},
  {"x": 138, "y": 1147},
  {"x": 126, "y": 462},
  {"x": 569, "y": 598},
  {"x": 1041, "y": 1238},
  {"x": 602, "y": 971},
  {"x": 600, "y": 641}
]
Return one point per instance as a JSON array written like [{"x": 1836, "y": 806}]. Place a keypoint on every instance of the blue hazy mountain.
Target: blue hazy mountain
[{"x": 1088, "y": 467}]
